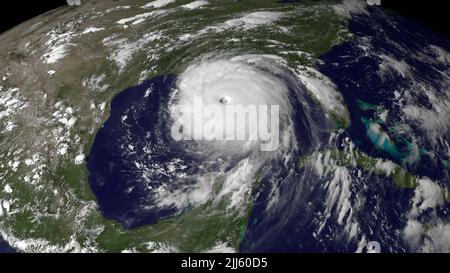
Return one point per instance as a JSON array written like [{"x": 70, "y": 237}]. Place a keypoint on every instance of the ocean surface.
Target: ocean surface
[{"x": 5, "y": 247}]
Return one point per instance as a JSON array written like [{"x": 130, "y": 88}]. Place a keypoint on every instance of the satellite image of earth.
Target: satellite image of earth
[{"x": 87, "y": 102}]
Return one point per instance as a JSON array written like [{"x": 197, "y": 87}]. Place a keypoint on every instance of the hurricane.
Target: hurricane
[{"x": 174, "y": 154}]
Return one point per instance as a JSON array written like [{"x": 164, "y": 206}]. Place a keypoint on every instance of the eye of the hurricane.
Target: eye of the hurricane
[{"x": 224, "y": 100}]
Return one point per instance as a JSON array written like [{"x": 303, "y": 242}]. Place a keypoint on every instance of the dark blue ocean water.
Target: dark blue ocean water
[
  {"x": 114, "y": 178},
  {"x": 5, "y": 247}
]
